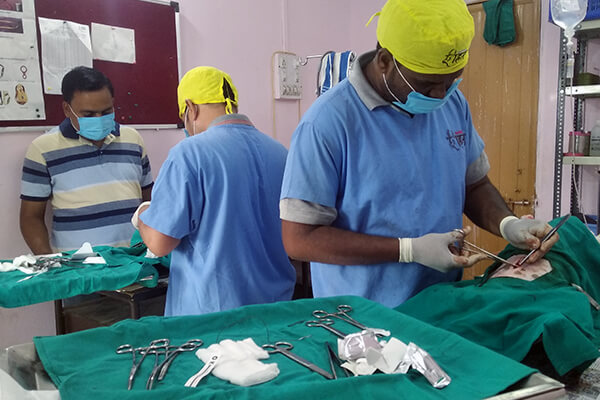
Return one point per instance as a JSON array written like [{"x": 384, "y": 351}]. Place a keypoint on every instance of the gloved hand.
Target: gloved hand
[
  {"x": 135, "y": 219},
  {"x": 432, "y": 250},
  {"x": 525, "y": 233}
]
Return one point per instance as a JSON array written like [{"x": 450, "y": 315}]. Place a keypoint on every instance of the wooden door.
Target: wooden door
[{"x": 501, "y": 85}]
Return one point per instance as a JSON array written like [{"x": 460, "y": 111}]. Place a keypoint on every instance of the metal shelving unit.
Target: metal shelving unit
[
  {"x": 583, "y": 91},
  {"x": 587, "y": 160},
  {"x": 585, "y": 31}
]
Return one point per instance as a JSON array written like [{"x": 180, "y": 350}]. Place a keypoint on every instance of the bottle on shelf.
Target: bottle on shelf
[
  {"x": 568, "y": 14},
  {"x": 595, "y": 140}
]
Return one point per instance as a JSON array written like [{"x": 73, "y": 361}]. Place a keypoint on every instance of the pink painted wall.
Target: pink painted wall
[{"x": 239, "y": 38}]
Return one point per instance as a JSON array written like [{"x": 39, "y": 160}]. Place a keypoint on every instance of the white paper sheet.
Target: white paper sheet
[
  {"x": 111, "y": 43},
  {"x": 65, "y": 45},
  {"x": 21, "y": 95}
]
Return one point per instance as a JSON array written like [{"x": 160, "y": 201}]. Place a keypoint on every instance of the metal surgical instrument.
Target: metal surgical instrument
[
  {"x": 472, "y": 248},
  {"x": 326, "y": 324},
  {"x": 333, "y": 360},
  {"x": 342, "y": 314},
  {"x": 204, "y": 371},
  {"x": 127, "y": 348},
  {"x": 159, "y": 372},
  {"x": 545, "y": 239},
  {"x": 592, "y": 301},
  {"x": 284, "y": 347}
]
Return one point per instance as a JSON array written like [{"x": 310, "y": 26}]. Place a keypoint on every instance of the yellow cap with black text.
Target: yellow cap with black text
[
  {"x": 206, "y": 85},
  {"x": 426, "y": 36}
]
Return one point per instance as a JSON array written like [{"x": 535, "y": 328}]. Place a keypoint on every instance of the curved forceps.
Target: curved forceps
[
  {"x": 159, "y": 372},
  {"x": 285, "y": 347},
  {"x": 127, "y": 348},
  {"x": 342, "y": 314}
]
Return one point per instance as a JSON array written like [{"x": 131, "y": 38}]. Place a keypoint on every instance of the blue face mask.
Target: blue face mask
[
  {"x": 96, "y": 128},
  {"x": 187, "y": 133},
  {"x": 417, "y": 103}
]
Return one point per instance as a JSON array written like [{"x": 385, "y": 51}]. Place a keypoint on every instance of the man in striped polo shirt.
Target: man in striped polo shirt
[{"x": 94, "y": 172}]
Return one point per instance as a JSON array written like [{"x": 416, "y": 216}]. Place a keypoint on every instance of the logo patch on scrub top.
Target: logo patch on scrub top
[{"x": 455, "y": 139}]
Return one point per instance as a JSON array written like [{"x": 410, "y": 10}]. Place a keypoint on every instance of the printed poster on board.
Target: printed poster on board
[{"x": 21, "y": 96}]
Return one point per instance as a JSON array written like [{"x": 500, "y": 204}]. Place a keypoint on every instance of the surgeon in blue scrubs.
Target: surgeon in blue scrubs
[
  {"x": 383, "y": 165},
  {"x": 215, "y": 205}
]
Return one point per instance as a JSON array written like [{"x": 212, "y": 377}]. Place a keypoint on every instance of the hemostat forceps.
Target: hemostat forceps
[
  {"x": 159, "y": 372},
  {"x": 127, "y": 348},
  {"x": 326, "y": 323},
  {"x": 470, "y": 247},
  {"x": 342, "y": 314}
]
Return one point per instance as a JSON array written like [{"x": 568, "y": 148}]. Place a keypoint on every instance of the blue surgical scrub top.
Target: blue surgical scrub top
[
  {"x": 387, "y": 173},
  {"x": 218, "y": 192}
]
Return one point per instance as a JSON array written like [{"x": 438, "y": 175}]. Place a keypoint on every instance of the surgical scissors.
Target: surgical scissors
[
  {"x": 326, "y": 324},
  {"x": 127, "y": 348},
  {"x": 285, "y": 347},
  {"x": 159, "y": 372}
]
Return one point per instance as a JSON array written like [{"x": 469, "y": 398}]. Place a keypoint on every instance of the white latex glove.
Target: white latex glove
[
  {"x": 432, "y": 250},
  {"x": 135, "y": 220},
  {"x": 523, "y": 233}
]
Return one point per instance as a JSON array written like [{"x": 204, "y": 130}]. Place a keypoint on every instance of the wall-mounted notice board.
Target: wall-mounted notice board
[{"x": 146, "y": 90}]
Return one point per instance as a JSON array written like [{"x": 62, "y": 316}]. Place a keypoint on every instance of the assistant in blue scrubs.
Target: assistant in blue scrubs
[{"x": 215, "y": 205}]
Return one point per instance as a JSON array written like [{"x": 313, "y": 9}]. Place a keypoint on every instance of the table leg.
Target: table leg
[{"x": 59, "y": 317}]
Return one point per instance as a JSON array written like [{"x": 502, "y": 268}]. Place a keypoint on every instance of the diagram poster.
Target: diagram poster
[
  {"x": 21, "y": 96},
  {"x": 65, "y": 45}
]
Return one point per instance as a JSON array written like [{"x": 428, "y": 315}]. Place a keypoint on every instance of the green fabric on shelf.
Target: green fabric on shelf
[
  {"x": 508, "y": 315},
  {"x": 499, "y": 26},
  {"x": 85, "y": 365},
  {"x": 125, "y": 265}
]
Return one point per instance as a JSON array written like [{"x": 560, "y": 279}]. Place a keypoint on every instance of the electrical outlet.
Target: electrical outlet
[{"x": 287, "y": 76}]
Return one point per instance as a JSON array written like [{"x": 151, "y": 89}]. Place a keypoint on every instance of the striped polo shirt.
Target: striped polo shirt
[{"x": 93, "y": 191}]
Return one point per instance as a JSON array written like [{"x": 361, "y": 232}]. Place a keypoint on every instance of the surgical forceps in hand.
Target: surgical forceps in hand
[
  {"x": 127, "y": 348},
  {"x": 284, "y": 347},
  {"x": 546, "y": 237},
  {"x": 159, "y": 372},
  {"x": 326, "y": 324},
  {"x": 470, "y": 247}
]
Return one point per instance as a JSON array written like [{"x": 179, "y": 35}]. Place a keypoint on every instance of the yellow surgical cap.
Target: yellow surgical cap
[
  {"x": 427, "y": 36},
  {"x": 205, "y": 85}
]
